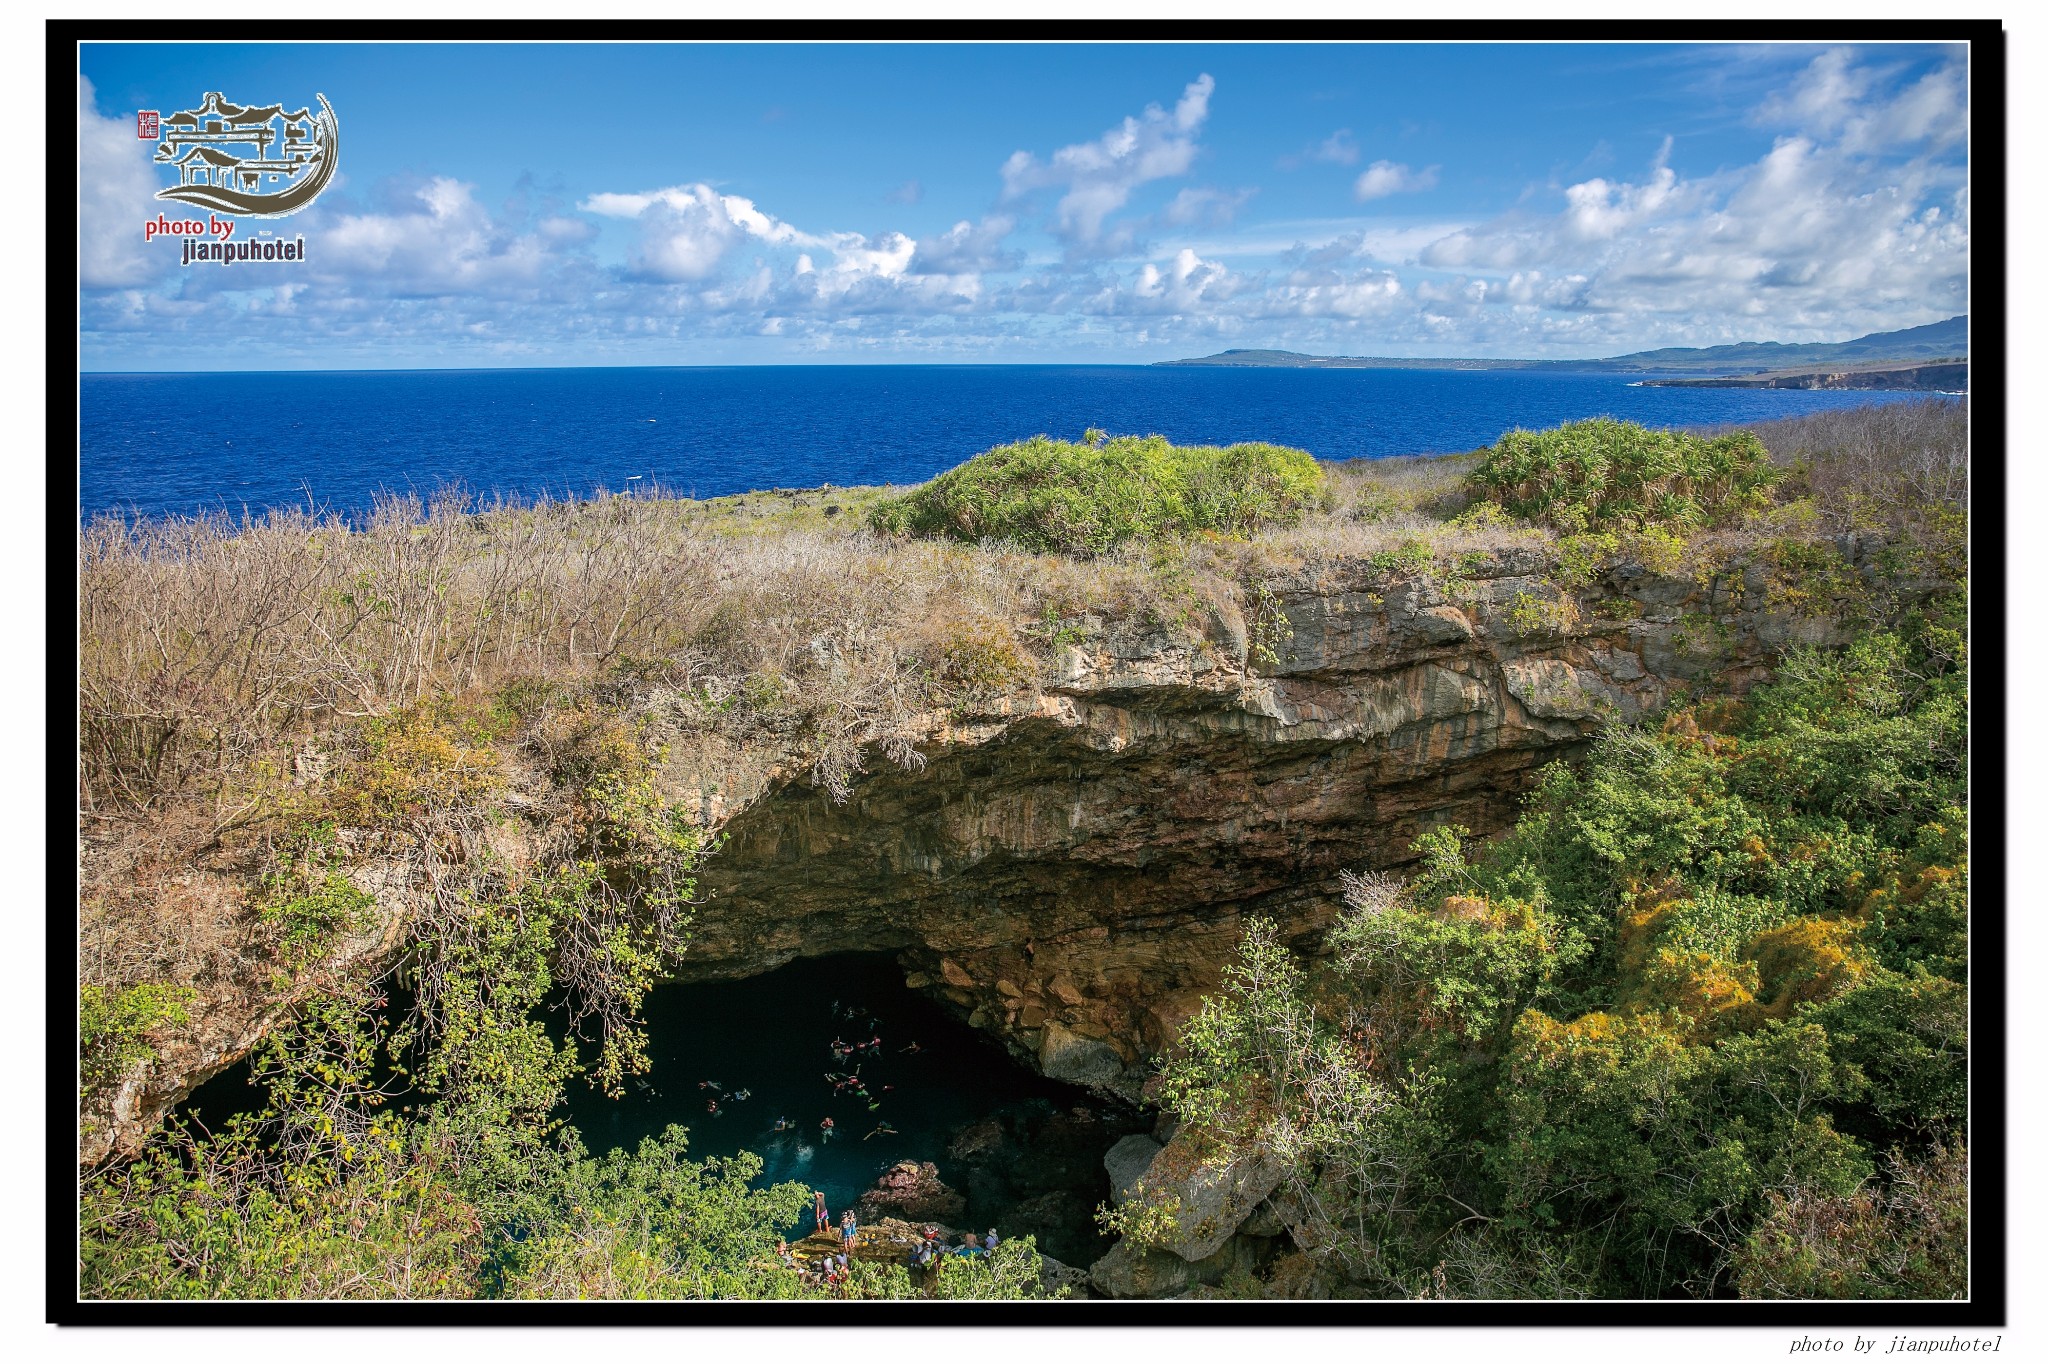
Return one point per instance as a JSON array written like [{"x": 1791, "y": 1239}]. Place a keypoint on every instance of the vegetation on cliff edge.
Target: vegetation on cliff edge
[
  {"x": 1092, "y": 496},
  {"x": 1696, "y": 1025},
  {"x": 290, "y": 725}
]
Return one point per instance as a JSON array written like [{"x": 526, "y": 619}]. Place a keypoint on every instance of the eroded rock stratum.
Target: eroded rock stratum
[
  {"x": 1072, "y": 869},
  {"x": 1070, "y": 866}
]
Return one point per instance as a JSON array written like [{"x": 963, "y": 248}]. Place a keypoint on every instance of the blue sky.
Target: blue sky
[{"x": 719, "y": 204}]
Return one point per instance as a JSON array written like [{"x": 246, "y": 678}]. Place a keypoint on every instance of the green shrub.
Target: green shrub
[
  {"x": 1607, "y": 474},
  {"x": 114, "y": 1026},
  {"x": 1089, "y": 498}
]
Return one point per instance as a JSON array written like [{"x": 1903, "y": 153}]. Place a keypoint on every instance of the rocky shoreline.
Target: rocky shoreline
[{"x": 1952, "y": 377}]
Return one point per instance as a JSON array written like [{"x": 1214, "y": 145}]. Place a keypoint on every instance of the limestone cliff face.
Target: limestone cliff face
[{"x": 1071, "y": 866}]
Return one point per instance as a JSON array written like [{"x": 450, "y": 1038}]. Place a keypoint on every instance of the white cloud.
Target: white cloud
[
  {"x": 686, "y": 230},
  {"x": 1186, "y": 284},
  {"x": 1822, "y": 97},
  {"x": 967, "y": 247},
  {"x": 117, "y": 187},
  {"x": 1835, "y": 97},
  {"x": 1382, "y": 178},
  {"x": 1810, "y": 236},
  {"x": 1100, "y": 176},
  {"x": 449, "y": 244},
  {"x": 1855, "y": 219},
  {"x": 1205, "y": 207}
]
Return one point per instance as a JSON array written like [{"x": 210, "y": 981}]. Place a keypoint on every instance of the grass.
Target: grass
[{"x": 233, "y": 673}]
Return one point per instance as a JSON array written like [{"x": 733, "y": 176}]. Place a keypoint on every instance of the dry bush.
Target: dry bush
[
  {"x": 215, "y": 655},
  {"x": 1885, "y": 465}
]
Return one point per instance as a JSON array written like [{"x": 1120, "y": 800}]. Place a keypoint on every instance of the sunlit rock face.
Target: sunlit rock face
[{"x": 1072, "y": 868}]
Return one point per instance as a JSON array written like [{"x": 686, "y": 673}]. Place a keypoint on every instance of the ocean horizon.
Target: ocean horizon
[{"x": 242, "y": 442}]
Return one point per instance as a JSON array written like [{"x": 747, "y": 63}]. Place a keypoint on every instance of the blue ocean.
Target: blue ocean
[{"x": 153, "y": 444}]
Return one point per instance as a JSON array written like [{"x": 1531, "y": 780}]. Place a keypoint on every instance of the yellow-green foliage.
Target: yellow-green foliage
[
  {"x": 114, "y": 1026},
  {"x": 426, "y": 758},
  {"x": 308, "y": 902},
  {"x": 1608, "y": 474},
  {"x": 1659, "y": 1036},
  {"x": 1088, "y": 498}
]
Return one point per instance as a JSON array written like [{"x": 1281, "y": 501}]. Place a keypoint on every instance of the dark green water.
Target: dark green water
[
  {"x": 773, "y": 1035},
  {"x": 1033, "y": 1166}
]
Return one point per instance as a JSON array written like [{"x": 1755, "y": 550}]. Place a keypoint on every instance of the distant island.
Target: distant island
[{"x": 1944, "y": 342}]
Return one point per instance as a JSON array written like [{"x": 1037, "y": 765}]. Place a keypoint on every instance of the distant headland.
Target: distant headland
[{"x": 1946, "y": 343}]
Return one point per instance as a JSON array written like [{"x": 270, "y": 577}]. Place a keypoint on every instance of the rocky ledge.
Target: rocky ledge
[{"x": 1070, "y": 866}]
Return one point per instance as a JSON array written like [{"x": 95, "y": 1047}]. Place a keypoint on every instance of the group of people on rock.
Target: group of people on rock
[
  {"x": 933, "y": 1246},
  {"x": 835, "y": 1269}
]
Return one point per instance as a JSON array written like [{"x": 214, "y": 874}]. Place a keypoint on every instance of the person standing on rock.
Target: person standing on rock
[
  {"x": 818, "y": 1198},
  {"x": 849, "y": 1228}
]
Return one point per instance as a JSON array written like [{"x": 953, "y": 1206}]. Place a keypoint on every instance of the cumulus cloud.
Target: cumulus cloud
[
  {"x": 1828, "y": 230},
  {"x": 1185, "y": 284},
  {"x": 1835, "y": 96},
  {"x": 687, "y": 230},
  {"x": 966, "y": 246},
  {"x": 442, "y": 241},
  {"x": 117, "y": 187},
  {"x": 1099, "y": 177},
  {"x": 1854, "y": 219},
  {"x": 1382, "y": 178}
]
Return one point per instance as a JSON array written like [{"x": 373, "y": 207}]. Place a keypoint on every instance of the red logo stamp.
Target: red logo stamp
[{"x": 145, "y": 125}]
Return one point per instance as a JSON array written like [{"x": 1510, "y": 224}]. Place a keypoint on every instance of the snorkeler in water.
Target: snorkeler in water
[
  {"x": 711, "y": 1107},
  {"x": 882, "y": 1129},
  {"x": 913, "y": 1049}
]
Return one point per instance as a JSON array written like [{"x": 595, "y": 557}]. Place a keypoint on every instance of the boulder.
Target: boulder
[
  {"x": 1055, "y": 1275},
  {"x": 1238, "y": 1253},
  {"x": 913, "y": 1190},
  {"x": 1213, "y": 1198},
  {"x": 1062, "y": 1223},
  {"x": 1066, "y": 1055},
  {"x": 1126, "y": 1162},
  {"x": 1134, "y": 1271},
  {"x": 1266, "y": 1220}
]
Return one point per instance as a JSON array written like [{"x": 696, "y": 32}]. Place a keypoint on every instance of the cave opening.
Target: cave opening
[{"x": 1022, "y": 1152}]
